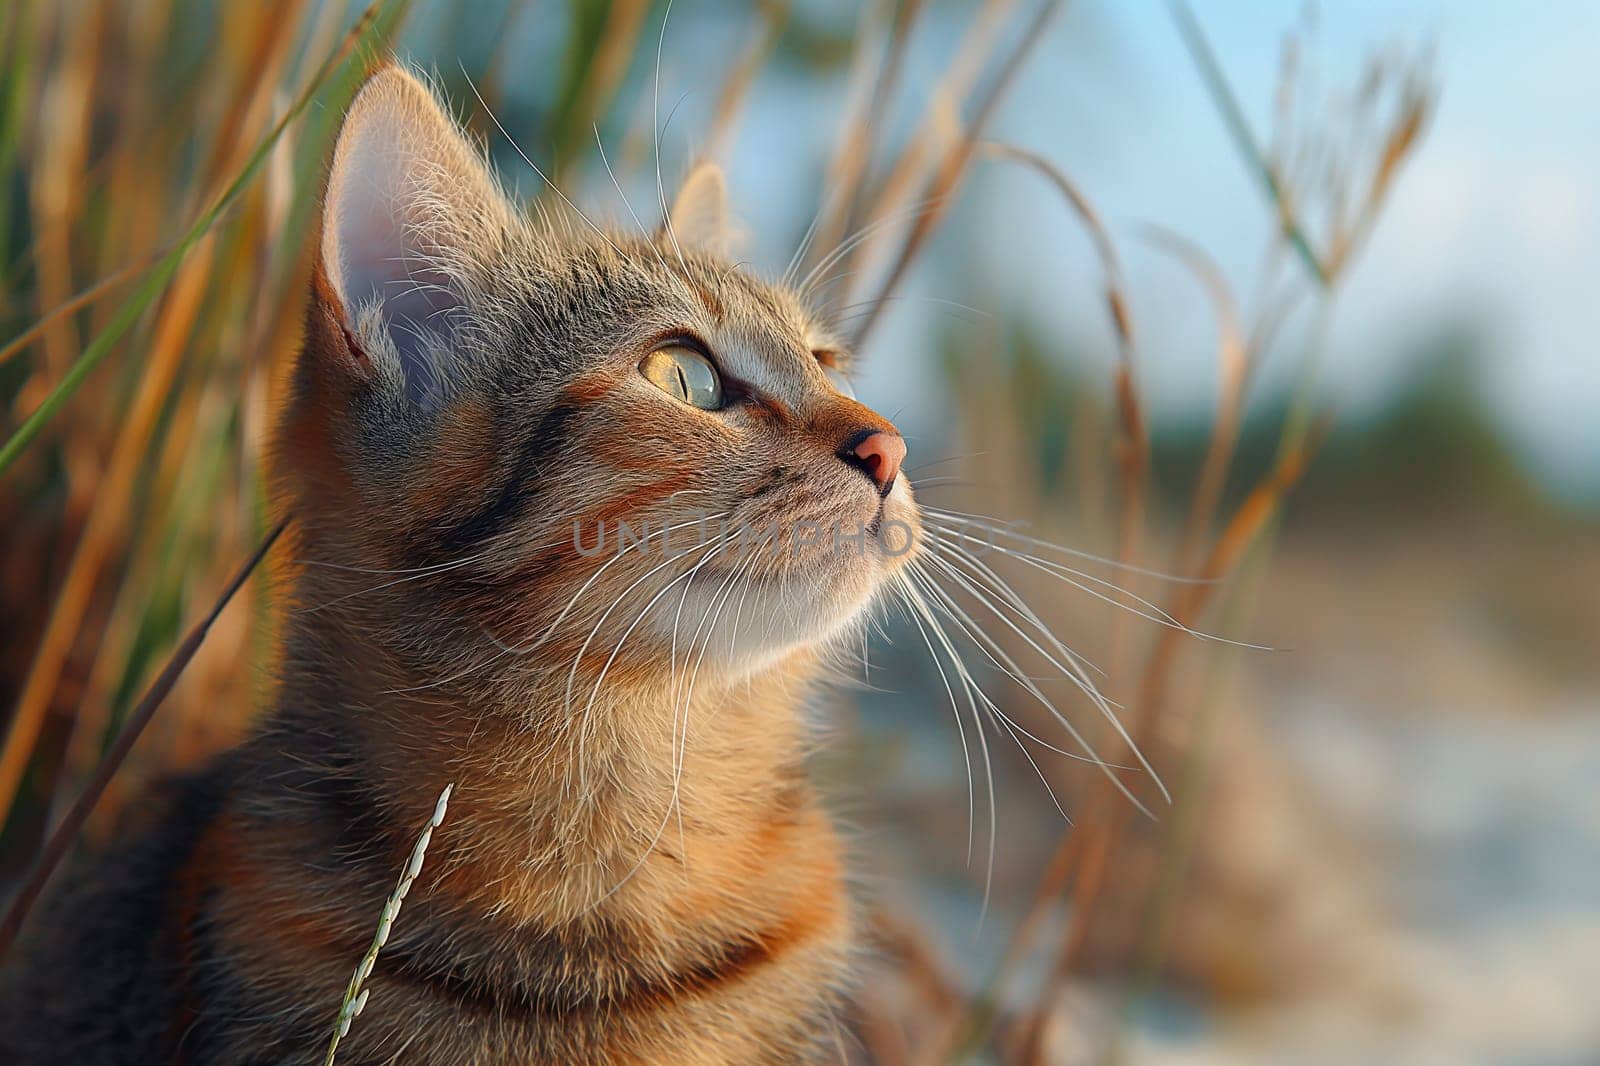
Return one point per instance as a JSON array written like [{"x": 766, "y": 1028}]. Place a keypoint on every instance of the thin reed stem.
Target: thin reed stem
[
  {"x": 65, "y": 833},
  {"x": 954, "y": 166}
]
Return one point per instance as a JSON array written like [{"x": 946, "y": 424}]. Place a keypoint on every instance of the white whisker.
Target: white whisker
[
  {"x": 921, "y": 608},
  {"x": 990, "y": 526},
  {"x": 1081, "y": 680},
  {"x": 1141, "y": 607}
]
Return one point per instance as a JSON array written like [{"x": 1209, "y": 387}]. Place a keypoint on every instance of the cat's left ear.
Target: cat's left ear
[{"x": 700, "y": 216}]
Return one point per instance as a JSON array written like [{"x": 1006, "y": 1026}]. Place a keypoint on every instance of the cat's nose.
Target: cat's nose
[{"x": 878, "y": 454}]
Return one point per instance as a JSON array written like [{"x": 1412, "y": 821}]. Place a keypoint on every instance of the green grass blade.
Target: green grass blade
[{"x": 1216, "y": 83}]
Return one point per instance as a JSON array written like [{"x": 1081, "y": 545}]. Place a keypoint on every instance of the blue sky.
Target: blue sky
[{"x": 1496, "y": 222}]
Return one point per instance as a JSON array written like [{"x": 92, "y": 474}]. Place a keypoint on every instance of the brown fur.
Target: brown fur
[{"x": 634, "y": 867}]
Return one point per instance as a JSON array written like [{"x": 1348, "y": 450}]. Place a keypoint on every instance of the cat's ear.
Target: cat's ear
[
  {"x": 410, "y": 205},
  {"x": 700, "y": 216}
]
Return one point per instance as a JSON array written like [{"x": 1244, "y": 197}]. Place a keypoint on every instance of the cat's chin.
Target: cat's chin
[
  {"x": 754, "y": 623},
  {"x": 748, "y": 617}
]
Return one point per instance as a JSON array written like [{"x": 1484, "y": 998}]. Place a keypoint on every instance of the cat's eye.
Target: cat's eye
[
  {"x": 685, "y": 374},
  {"x": 838, "y": 380}
]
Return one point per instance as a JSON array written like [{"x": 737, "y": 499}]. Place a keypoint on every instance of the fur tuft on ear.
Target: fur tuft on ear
[
  {"x": 410, "y": 205},
  {"x": 700, "y": 216}
]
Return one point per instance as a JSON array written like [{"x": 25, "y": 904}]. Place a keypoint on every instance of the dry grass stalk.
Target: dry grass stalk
[
  {"x": 953, "y": 168},
  {"x": 618, "y": 44},
  {"x": 1083, "y": 858},
  {"x": 104, "y": 531},
  {"x": 853, "y": 158},
  {"x": 736, "y": 86},
  {"x": 115, "y": 491},
  {"x": 1235, "y": 359},
  {"x": 1278, "y": 192},
  {"x": 65, "y": 102},
  {"x": 1133, "y": 443},
  {"x": 84, "y": 298},
  {"x": 937, "y": 131}
]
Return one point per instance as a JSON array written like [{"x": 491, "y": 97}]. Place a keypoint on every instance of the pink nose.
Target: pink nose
[{"x": 880, "y": 456}]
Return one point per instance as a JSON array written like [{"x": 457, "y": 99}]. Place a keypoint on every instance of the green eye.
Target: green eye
[{"x": 685, "y": 374}]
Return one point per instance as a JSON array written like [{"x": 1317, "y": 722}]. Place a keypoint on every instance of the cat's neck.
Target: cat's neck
[
  {"x": 600, "y": 898},
  {"x": 562, "y": 805}
]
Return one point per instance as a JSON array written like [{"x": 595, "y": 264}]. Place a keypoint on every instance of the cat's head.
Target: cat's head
[{"x": 515, "y": 442}]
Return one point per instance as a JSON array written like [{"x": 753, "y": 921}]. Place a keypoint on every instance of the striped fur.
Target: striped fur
[{"x": 635, "y": 867}]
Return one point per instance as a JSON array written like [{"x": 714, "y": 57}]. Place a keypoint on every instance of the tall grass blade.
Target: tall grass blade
[{"x": 1216, "y": 83}]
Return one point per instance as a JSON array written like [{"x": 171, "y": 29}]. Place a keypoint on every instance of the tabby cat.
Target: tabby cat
[{"x": 502, "y": 447}]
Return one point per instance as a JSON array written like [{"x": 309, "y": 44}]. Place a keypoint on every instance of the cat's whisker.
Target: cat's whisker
[
  {"x": 681, "y": 741},
  {"x": 665, "y": 533},
  {"x": 1072, "y": 575},
  {"x": 1084, "y": 581},
  {"x": 1004, "y": 529},
  {"x": 920, "y": 607},
  {"x": 944, "y": 482},
  {"x": 912, "y": 297},
  {"x": 850, "y": 241},
  {"x": 672, "y": 644},
  {"x": 642, "y": 543},
  {"x": 694, "y": 637},
  {"x": 1142, "y": 608},
  {"x": 829, "y": 282},
  {"x": 526, "y": 649},
  {"x": 787, "y": 277},
  {"x": 866, "y": 664},
  {"x": 991, "y": 579},
  {"x": 672, "y": 686},
  {"x": 673, "y": 805},
  {"x": 984, "y": 642},
  {"x": 969, "y": 628},
  {"x": 996, "y": 713},
  {"x": 655, "y": 131},
  {"x": 838, "y": 319},
  {"x": 1077, "y": 578},
  {"x": 348, "y": 596},
  {"x": 1070, "y": 665},
  {"x": 379, "y": 570},
  {"x": 639, "y": 544},
  {"x": 854, "y": 240},
  {"x": 826, "y": 204},
  {"x": 907, "y": 597},
  {"x": 1074, "y": 673},
  {"x": 931, "y": 463}
]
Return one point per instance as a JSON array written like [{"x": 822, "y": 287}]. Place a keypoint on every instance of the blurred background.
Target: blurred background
[{"x": 1283, "y": 313}]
